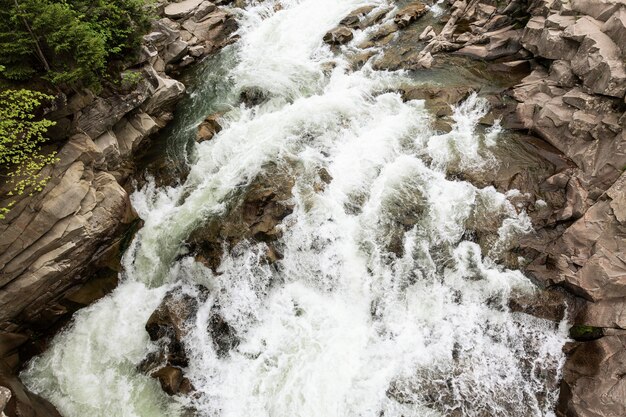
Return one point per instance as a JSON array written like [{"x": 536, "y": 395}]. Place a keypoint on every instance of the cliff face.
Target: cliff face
[{"x": 53, "y": 242}]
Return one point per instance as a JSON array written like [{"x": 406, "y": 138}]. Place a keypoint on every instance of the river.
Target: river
[{"x": 367, "y": 313}]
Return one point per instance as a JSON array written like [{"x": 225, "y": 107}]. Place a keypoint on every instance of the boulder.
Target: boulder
[
  {"x": 181, "y": 9},
  {"x": 598, "y": 9},
  {"x": 355, "y": 17},
  {"x": 208, "y": 128},
  {"x": 103, "y": 113},
  {"x": 410, "y": 14},
  {"x": 170, "y": 378},
  {"x": 615, "y": 28},
  {"x": 203, "y": 10},
  {"x": 561, "y": 73},
  {"x": 339, "y": 36},
  {"x": 128, "y": 137},
  {"x": 427, "y": 34},
  {"x": 599, "y": 64},
  {"x": 255, "y": 215},
  {"x": 167, "y": 94},
  {"x": 175, "y": 51},
  {"x": 547, "y": 42},
  {"x": 593, "y": 378},
  {"x": 107, "y": 144}
]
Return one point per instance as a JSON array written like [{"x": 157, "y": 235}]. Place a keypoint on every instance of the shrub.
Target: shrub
[{"x": 21, "y": 136}]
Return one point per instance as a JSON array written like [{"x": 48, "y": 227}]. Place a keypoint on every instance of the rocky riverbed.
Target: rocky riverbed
[{"x": 552, "y": 72}]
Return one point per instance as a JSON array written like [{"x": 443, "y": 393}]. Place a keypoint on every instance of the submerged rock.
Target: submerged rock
[
  {"x": 255, "y": 215},
  {"x": 208, "y": 128}
]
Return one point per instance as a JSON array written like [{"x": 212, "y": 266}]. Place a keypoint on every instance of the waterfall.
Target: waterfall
[{"x": 380, "y": 305}]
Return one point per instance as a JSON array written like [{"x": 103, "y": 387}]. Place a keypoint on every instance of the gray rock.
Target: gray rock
[
  {"x": 615, "y": 28},
  {"x": 181, "y": 9},
  {"x": 167, "y": 93},
  {"x": 203, "y": 11},
  {"x": 107, "y": 144},
  {"x": 175, "y": 51},
  {"x": 599, "y": 64},
  {"x": 128, "y": 138},
  {"x": 598, "y": 9}
]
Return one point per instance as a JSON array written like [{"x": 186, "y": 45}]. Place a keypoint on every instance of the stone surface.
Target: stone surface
[
  {"x": 339, "y": 36},
  {"x": 181, "y": 9},
  {"x": 208, "y": 128},
  {"x": 593, "y": 379},
  {"x": 410, "y": 13}
]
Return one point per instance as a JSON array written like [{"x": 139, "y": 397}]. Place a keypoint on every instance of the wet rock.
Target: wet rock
[
  {"x": 208, "y": 128},
  {"x": 170, "y": 322},
  {"x": 410, "y": 14},
  {"x": 170, "y": 378},
  {"x": 583, "y": 333},
  {"x": 223, "y": 335},
  {"x": 552, "y": 304},
  {"x": 256, "y": 214},
  {"x": 25, "y": 403},
  {"x": 440, "y": 100},
  {"x": 427, "y": 34},
  {"x": 593, "y": 378},
  {"x": 355, "y": 17},
  {"x": 339, "y": 36},
  {"x": 253, "y": 96}
]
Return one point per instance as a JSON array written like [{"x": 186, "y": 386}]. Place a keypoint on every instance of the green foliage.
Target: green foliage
[
  {"x": 68, "y": 42},
  {"x": 21, "y": 136},
  {"x": 583, "y": 332}
]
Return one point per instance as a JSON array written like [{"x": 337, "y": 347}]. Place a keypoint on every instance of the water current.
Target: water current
[{"x": 381, "y": 304}]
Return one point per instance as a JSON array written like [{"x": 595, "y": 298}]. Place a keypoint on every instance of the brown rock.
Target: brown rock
[
  {"x": 203, "y": 11},
  {"x": 599, "y": 64},
  {"x": 593, "y": 379},
  {"x": 410, "y": 14},
  {"x": 355, "y": 17},
  {"x": 170, "y": 378},
  {"x": 255, "y": 215},
  {"x": 209, "y": 127},
  {"x": 339, "y": 36}
]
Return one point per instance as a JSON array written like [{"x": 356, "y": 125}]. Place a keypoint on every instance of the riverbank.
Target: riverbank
[{"x": 61, "y": 248}]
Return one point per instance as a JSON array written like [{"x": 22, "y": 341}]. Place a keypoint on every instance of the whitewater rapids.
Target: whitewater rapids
[{"x": 342, "y": 326}]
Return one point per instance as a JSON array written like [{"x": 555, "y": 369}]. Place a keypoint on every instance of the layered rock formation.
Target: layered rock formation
[{"x": 58, "y": 245}]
